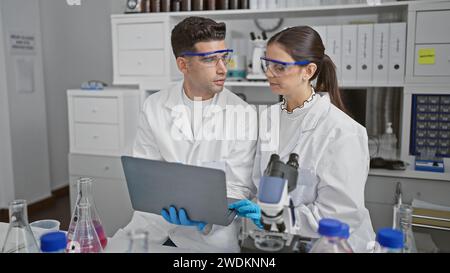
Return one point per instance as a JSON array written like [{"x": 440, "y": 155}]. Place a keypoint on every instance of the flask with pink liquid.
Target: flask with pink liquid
[{"x": 85, "y": 197}]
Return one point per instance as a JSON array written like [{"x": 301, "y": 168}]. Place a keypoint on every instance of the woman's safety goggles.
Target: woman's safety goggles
[
  {"x": 211, "y": 59},
  {"x": 279, "y": 68}
]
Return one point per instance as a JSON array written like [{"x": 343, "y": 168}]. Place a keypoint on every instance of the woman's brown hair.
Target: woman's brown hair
[{"x": 304, "y": 43}]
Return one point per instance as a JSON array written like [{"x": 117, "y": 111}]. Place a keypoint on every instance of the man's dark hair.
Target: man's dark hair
[{"x": 193, "y": 30}]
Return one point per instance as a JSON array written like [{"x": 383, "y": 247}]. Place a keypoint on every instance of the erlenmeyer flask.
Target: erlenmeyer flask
[
  {"x": 138, "y": 241},
  {"x": 19, "y": 238},
  {"x": 84, "y": 238},
  {"x": 85, "y": 196}
]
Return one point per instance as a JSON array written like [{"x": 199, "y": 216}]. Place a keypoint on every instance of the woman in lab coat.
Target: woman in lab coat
[{"x": 312, "y": 122}]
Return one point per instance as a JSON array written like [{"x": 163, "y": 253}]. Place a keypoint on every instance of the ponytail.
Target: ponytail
[{"x": 327, "y": 82}]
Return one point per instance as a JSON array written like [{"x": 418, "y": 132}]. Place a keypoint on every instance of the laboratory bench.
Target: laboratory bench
[{"x": 116, "y": 244}]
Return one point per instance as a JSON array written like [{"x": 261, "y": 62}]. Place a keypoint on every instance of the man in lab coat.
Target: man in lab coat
[{"x": 192, "y": 122}]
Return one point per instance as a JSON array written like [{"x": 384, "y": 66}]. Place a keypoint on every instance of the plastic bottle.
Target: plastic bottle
[
  {"x": 330, "y": 231},
  {"x": 389, "y": 241},
  {"x": 345, "y": 234},
  {"x": 84, "y": 238},
  {"x": 19, "y": 238},
  {"x": 53, "y": 242},
  {"x": 389, "y": 143},
  {"x": 85, "y": 197}
]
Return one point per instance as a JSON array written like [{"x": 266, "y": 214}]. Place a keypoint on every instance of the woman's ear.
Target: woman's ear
[
  {"x": 310, "y": 70},
  {"x": 182, "y": 65}
]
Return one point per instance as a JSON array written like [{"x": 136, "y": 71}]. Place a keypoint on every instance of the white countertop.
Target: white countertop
[{"x": 117, "y": 244}]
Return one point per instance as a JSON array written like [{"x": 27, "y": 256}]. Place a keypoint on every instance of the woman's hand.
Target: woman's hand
[{"x": 246, "y": 208}]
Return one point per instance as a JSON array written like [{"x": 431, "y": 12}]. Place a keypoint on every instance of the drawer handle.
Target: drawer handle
[{"x": 106, "y": 168}]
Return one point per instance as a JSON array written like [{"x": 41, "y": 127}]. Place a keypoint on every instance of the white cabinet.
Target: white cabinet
[
  {"x": 103, "y": 122},
  {"x": 428, "y": 43},
  {"x": 141, "y": 50},
  {"x": 103, "y": 126}
]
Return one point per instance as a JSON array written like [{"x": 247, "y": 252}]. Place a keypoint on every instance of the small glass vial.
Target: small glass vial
[
  {"x": 138, "y": 241},
  {"x": 234, "y": 4},
  {"x": 165, "y": 5},
  {"x": 155, "y": 6},
  {"x": 197, "y": 5},
  {"x": 176, "y": 5},
  {"x": 243, "y": 4},
  {"x": 223, "y": 4},
  {"x": 211, "y": 4},
  {"x": 145, "y": 6},
  {"x": 185, "y": 5}
]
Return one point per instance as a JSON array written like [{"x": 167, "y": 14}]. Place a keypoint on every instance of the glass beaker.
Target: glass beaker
[
  {"x": 85, "y": 197},
  {"x": 138, "y": 241},
  {"x": 19, "y": 238},
  {"x": 403, "y": 222},
  {"x": 84, "y": 238}
]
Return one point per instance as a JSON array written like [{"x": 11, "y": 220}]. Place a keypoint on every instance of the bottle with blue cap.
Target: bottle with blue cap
[
  {"x": 345, "y": 234},
  {"x": 53, "y": 242},
  {"x": 389, "y": 241},
  {"x": 330, "y": 231}
]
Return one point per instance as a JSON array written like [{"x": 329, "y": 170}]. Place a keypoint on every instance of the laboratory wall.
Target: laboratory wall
[
  {"x": 6, "y": 175},
  {"x": 24, "y": 116},
  {"x": 77, "y": 48}
]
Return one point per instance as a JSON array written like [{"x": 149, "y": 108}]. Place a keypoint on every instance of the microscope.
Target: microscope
[
  {"x": 277, "y": 209},
  {"x": 259, "y": 50}
]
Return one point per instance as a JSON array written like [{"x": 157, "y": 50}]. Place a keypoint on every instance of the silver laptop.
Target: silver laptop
[{"x": 154, "y": 185}]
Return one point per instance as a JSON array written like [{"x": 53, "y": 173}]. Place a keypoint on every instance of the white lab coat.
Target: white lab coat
[
  {"x": 161, "y": 119},
  {"x": 333, "y": 168}
]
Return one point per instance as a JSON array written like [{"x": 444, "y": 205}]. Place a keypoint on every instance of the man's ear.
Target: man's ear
[
  {"x": 182, "y": 65},
  {"x": 310, "y": 69}
]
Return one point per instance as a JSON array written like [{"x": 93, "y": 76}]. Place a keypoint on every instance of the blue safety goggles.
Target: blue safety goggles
[
  {"x": 279, "y": 68},
  {"x": 212, "y": 58},
  {"x": 204, "y": 54}
]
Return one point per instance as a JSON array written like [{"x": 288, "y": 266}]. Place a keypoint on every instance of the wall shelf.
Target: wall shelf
[
  {"x": 347, "y": 86},
  {"x": 411, "y": 173},
  {"x": 327, "y": 10}
]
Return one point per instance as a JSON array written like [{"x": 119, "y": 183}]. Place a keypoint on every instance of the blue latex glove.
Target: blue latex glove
[
  {"x": 181, "y": 218},
  {"x": 248, "y": 209}
]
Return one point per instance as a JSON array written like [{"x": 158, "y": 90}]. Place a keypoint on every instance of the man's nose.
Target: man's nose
[{"x": 221, "y": 66}]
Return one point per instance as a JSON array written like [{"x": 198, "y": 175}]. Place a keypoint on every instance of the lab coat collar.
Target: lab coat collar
[
  {"x": 310, "y": 122},
  {"x": 175, "y": 97},
  {"x": 316, "y": 112}
]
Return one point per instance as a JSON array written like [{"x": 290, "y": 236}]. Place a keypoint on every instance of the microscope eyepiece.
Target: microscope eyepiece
[{"x": 293, "y": 160}]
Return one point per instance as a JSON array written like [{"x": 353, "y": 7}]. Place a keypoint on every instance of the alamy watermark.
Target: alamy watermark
[
  {"x": 73, "y": 2},
  {"x": 232, "y": 123}
]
